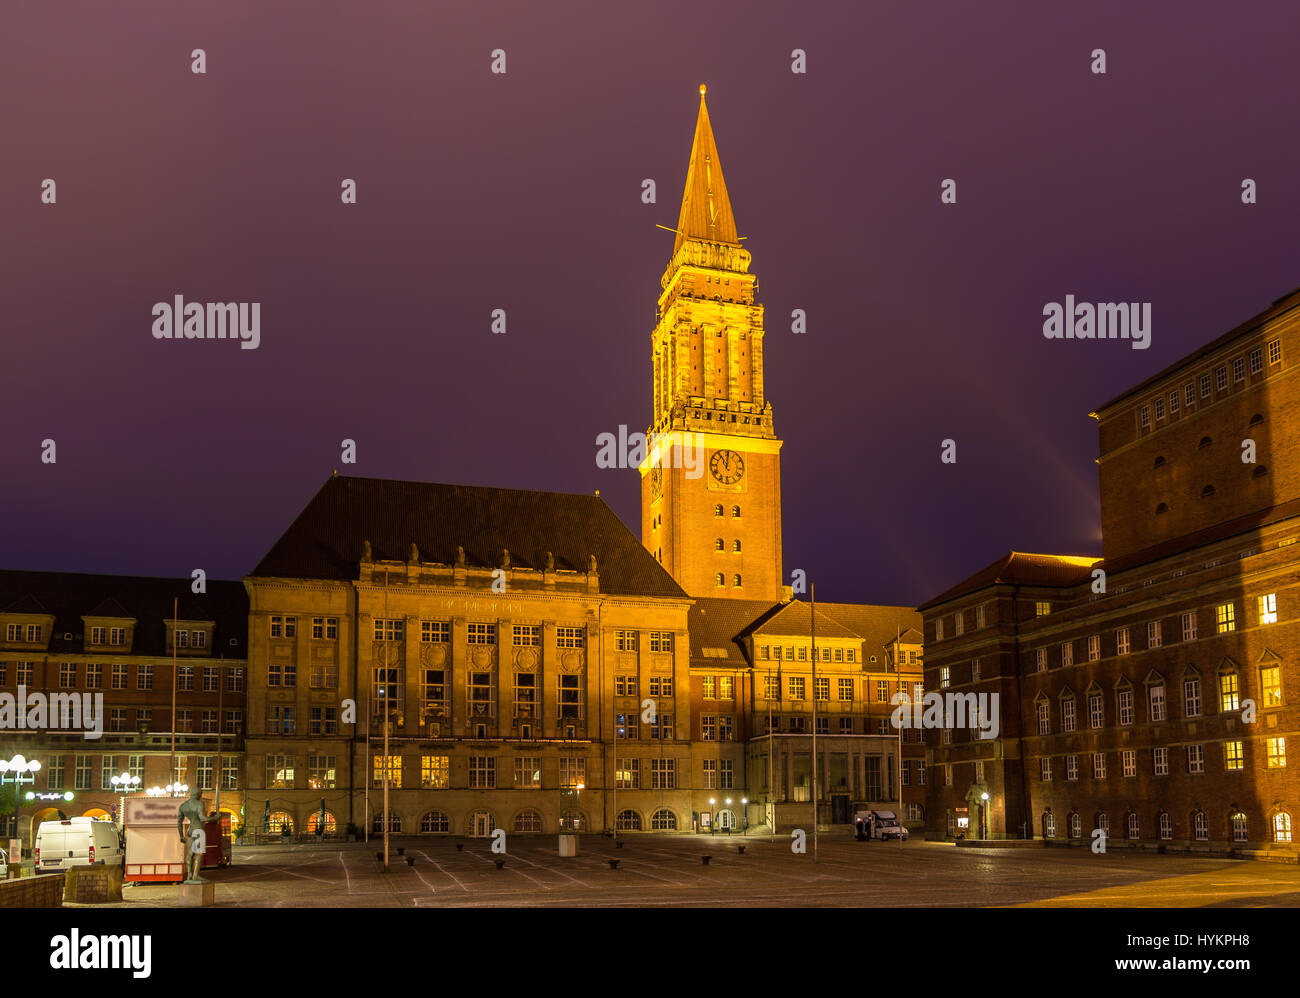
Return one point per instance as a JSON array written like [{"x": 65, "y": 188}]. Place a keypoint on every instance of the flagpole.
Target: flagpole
[
  {"x": 898, "y": 654},
  {"x": 771, "y": 783},
  {"x": 175, "y": 620},
  {"x": 812, "y": 612}
]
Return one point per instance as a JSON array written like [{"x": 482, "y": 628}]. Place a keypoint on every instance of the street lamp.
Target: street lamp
[
  {"x": 19, "y": 766},
  {"x": 984, "y": 815},
  {"x": 713, "y": 815},
  {"x": 125, "y": 783},
  {"x": 744, "y": 805}
]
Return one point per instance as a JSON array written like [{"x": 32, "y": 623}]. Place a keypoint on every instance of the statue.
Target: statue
[
  {"x": 415, "y": 553},
  {"x": 365, "y": 551},
  {"x": 460, "y": 557},
  {"x": 550, "y": 562},
  {"x": 505, "y": 557},
  {"x": 196, "y": 837},
  {"x": 591, "y": 564}
]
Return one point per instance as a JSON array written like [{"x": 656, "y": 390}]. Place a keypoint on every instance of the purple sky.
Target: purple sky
[{"x": 523, "y": 192}]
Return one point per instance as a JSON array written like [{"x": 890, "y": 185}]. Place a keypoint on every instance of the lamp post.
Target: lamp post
[
  {"x": 984, "y": 815},
  {"x": 124, "y": 783},
  {"x": 744, "y": 806},
  {"x": 19, "y": 766}
]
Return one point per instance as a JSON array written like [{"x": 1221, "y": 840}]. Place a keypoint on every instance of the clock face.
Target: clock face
[
  {"x": 656, "y": 481},
  {"x": 727, "y": 467}
]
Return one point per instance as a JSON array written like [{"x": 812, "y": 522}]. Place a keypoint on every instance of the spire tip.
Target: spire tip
[{"x": 702, "y": 88}]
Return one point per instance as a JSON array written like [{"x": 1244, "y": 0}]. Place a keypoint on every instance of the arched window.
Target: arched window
[
  {"x": 628, "y": 821},
  {"x": 1049, "y": 825},
  {"x": 1200, "y": 827},
  {"x": 717, "y": 510},
  {"x": 528, "y": 820},
  {"x": 435, "y": 821},
  {"x": 314, "y": 824},
  {"x": 482, "y": 823},
  {"x": 735, "y": 545},
  {"x": 1076, "y": 825},
  {"x": 718, "y": 545},
  {"x": 726, "y": 818},
  {"x": 1103, "y": 822},
  {"x": 1238, "y": 827},
  {"x": 1132, "y": 825},
  {"x": 1207, "y": 491},
  {"x": 1166, "y": 824},
  {"x": 1282, "y": 827},
  {"x": 735, "y": 581},
  {"x": 281, "y": 823},
  {"x": 572, "y": 821},
  {"x": 720, "y": 579},
  {"x": 1205, "y": 442},
  {"x": 1160, "y": 462},
  {"x": 1162, "y": 508},
  {"x": 663, "y": 820},
  {"x": 735, "y": 512},
  {"x": 377, "y": 823}
]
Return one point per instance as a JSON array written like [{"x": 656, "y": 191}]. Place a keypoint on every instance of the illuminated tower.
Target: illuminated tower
[{"x": 716, "y": 527}]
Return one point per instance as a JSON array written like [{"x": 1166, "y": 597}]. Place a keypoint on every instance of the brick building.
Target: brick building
[
  {"x": 112, "y": 637},
  {"x": 1147, "y": 692}
]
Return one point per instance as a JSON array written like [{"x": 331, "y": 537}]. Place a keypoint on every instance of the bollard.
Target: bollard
[
  {"x": 401, "y": 850},
  {"x": 618, "y": 844},
  {"x": 613, "y": 864},
  {"x": 501, "y": 864},
  {"x": 460, "y": 846},
  {"x": 706, "y": 859},
  {"x": 741, "y": 850},
  {"x": 410, "y": 860}
]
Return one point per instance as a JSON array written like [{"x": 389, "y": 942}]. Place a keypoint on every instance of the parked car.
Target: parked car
[
  {"x": 885, "y": 825},
  {"x": 4, "y": 865},
  {"x": 76, "y": 842}
]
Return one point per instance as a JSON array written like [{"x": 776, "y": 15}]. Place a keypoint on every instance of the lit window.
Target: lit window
[
  {"x": 1229, "y": 694},
  {"x": 1225, "y": 616},
  {"x": 1277, "y": 753},
  {"x": 1268, "y": 609},
  {"x": 1281, "y": 820},
  {"x": 1042, "y": 608},
  {"x": 1270, "y": 681},
  {"x": 1233, "y": 756}
]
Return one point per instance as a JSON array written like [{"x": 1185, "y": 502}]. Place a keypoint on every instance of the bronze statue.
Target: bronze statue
[{"x": 196, "y": 837}]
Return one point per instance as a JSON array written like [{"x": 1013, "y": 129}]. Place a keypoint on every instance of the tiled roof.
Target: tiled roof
[
  {"x": 1020, "y": 569},
  {"x": 69, "y": 596},
  {"x": 796, "y": 617},
  {"x": 877, "y": 625},
  {"x": 327, "y": 538},
  {"x": 717, "y": 623}
]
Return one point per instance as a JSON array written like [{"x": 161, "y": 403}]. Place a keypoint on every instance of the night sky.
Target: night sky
[{"x": 522, "y": 192}]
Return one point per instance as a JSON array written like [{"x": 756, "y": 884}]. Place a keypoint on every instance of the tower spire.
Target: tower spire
[{"x": 706, "y": 208}]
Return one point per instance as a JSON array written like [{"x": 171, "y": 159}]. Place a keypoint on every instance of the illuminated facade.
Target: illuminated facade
[{"x": 1161, "y": 707}]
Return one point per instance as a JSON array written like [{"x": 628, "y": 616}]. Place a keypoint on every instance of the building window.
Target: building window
[
  {"x": 481, "y": 634},
  {"x": 975, "y": 670},
  {"x": 1233, "y": 756},
  {"x": 1160, "y": 761},
  {"x": 661, "y": 641},
  {"x": 279, "y": 772},
  {"x": 1192, "y": 696},
  {"x": 1268, "y": 609},
  {"x": 1145, "y": 416},
  {"x": 1166, "y": 826},
  {"x": 1071, "y": 767},
  {"x": 1103, "y": 822},
  {"x": 1200, "y": 826},
  {"x": 67, "y": 675},
  {"x": 1044, "y": 771},
  {"x": 1076, "y": 825},
  {"x": 1153, "y": 634},
  {"x": 1040, "y": 657},
  {"x": 1067, "y": 653},
  {"x": 1226, "y": 617},
  {"x": 1044, "y": 717},
  {"x": 1042, "y": 608},
  {"x": 1270, "y": 680},
  {"x": 1275, "y": 357},
  {"x": 1125, "y": 702},
  {"x": 1067, "y": 713},
  {"x": 1173, "y": 401},
  {"x": 1277, "y": 753},
  {"x": 1238, "y": 369},
  {"x": 1122, "y": 642},
  {"x": 846, "y": 689},
  {"x": 385, "y": 630},
  {"x": 1221, "y": 378},
  {"x": 1094, "y": 647},
  {"x": 1189, "y": 395},
  {"x": 325, "y": 628},
  {"x": 1205, "y": 386},
  {"x": 482, "y": 772},
  {"x": 1128, "y": 762},
  {"x": 1099, "y": 765},
  {"x": 1096, "y": 710},
  {"x": 1196, "y": 758},
  {"x": 663, "y": 774},
  {"x": 1229, "y": 694},
  {"x": 718, "y": 544},
  {"x": 1160, "y": 407},
  {"x": 1238, "y": 827},
  {"x": 663, "y": 820},
  {"x": 1132, "y": 823},
  {"x": 1281, "y": 824},
  {"x": 979, "y": 616},
  {"x": 717, "y": 510},
  {"x": 625, "y": 641},
  {"x": 1256, "y": 360},
  {"x": 1156, "y": 698},
  {"x": 1189, "y": 626}
]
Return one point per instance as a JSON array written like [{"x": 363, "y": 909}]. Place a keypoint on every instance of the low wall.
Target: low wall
[{"x": 44, "y": 891}]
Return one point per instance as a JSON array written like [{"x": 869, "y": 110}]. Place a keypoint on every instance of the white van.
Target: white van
[
  {"x": 885, "y": 825},
  {"x": 76, "y": 842}
]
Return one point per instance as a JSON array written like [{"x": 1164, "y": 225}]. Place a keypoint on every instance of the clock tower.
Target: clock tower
[{"x": 711, "y": 481}]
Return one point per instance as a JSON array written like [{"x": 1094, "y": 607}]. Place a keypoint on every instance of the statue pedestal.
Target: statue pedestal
[{"x": 198, "y": 895}]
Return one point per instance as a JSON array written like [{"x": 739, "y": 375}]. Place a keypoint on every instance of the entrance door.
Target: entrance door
[
  {"x": 481, "y": 824},
  {"x": 839, "y": 809}
]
